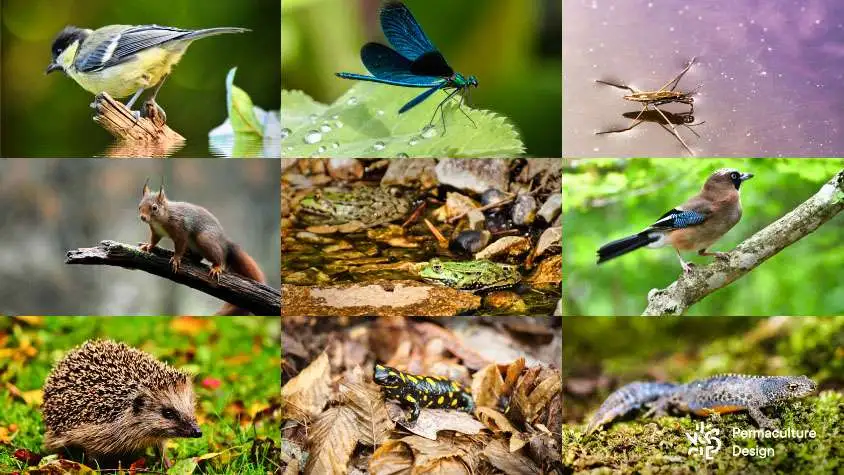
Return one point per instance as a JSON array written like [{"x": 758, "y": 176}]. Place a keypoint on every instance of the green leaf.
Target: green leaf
[
  {"x": 240, "y": 107},
  {"x": 365, "y": 122}
]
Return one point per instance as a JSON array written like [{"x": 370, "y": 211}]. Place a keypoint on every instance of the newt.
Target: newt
[
  {"x": 414, "y": 391},
  {"x": 715, "y": 395}
]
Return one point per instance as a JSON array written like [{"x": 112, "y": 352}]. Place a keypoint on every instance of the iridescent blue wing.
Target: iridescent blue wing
[
  {"x": 403, "y": 32},
  {"x": 676, "y": 219},
  {"x": 389, "y": 67},
  {"x": 421, "y": 97}
]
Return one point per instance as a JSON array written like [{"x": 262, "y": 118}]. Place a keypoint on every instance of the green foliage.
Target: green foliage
[
  {"x": 240, "y": 353},
  {"x": 365, "y": 122},
  {"x": 249, "y": 131},
  {"x": 608, "y": 199}
]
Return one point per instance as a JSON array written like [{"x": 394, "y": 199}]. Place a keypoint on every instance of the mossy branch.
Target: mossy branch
[
  {"x": 248, "y": 294},
  {"x": 119, "y": 121},
  {"x": 692, "y": 287}
]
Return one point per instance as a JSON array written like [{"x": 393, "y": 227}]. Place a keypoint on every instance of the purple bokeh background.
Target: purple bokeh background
[{"x": 771, "y": 75}]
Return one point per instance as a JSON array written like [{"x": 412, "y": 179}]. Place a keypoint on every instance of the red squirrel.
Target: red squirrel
[{"x": 194, "y": 228}]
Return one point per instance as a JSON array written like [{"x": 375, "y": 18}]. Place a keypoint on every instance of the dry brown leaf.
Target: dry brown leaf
[
  {"x": 495, "y": 421},
  {"x": 391, "y": 458},
  {"x": 307, "y": 393},
  {"x": 333, "y": 438},
  {"x": 531, "y": 403},
  {"x": 486, "y": 386},
  {"x": 373, "y": 423},
  {"x": 431, "y": 421},
  {"x": 517, "y": 442},
  {"x": 471, "y": 358},
  {"x": 448, "y": 452},
  {"x": 499, "y": 455}
]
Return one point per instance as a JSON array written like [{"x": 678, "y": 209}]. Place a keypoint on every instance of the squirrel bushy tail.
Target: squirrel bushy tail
[{"x": 241, "y": 263}]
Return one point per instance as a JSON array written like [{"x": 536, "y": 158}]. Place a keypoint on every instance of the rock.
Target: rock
[
  {"x": 378, "y": 298},
  {"x": 418, "y": 172},
  {"x": 474, "y": 175},
  {"x": 549, "y": 272},
  {"x": 345, "y": 169},
  {"x": 506, "y": 301},
  {"x": 552, "y": 207},
  {"x": 508, "y": 246},
  {"x": 549, "y": 240},
  {"x": 524, "y": 210}
]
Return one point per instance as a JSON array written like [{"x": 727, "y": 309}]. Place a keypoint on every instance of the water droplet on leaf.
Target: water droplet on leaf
[{"x": 313, "y": 137}]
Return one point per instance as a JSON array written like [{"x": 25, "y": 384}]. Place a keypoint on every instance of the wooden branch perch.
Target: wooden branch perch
[
  {"x": 244, "y": 293},
  {"x": 120, "y": 122},
  {"x": 702, "y": 281}
]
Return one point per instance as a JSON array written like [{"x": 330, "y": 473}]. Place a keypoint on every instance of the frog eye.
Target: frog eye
[
  {"x": 793, "y": 386},
  {"x": 437, "y": 266}
]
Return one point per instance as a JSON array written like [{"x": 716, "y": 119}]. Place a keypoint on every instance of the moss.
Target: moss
[{"x": 661, "y": 445}]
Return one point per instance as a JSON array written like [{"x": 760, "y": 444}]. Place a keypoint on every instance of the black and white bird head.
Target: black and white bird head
[{"x": 67, "y": 40}]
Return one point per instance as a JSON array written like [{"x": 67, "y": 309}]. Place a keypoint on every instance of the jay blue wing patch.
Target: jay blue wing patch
[
  {"x": 126, "y": 44},
  {"x": 676, "y": 219}
]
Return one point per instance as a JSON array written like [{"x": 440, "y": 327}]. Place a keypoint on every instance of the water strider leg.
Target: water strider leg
[
  {"x": 618, "y": 131},
  {"x": 679, "y": 76},
  {"x": 674, "y": 129},
  {"x": 620, "y": 86}
]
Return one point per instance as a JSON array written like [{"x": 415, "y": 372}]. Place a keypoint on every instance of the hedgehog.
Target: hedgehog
[{"x": 114, "y": 401}]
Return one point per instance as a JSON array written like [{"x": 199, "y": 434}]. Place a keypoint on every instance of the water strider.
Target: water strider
[{"x": 650, "y": 100}]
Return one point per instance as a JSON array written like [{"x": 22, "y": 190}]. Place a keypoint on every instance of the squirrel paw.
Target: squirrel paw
[
  {"x": 175, "y": 262},
  {"x": 145, "y": 247},
  {"x": 215, "y": 272}
]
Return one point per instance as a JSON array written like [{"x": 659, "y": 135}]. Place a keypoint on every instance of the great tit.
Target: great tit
[{"x": 124, "y": 59}]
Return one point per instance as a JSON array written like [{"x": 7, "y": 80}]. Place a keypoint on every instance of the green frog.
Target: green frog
[
  {"x": 478, "y": 275},
  {"x": 352, "y": 210}
]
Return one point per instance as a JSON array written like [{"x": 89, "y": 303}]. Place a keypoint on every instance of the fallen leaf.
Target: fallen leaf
[
  {"x": 332, "y": 439},
  {"x": 366, "y": 402},
  {"x": 486, "y": 386},
  {"x": 499, "y": 455},
  {"x": 431, "y": 421},
  {"x": 306, "y": 394},
  {"x": 391, "y": 458}
]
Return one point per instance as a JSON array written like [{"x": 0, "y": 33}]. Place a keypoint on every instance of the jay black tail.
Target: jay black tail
[{"x": 624, "y": 245}]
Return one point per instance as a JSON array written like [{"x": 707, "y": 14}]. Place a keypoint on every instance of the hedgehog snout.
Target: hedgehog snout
[{"x": 194, "y": 432}]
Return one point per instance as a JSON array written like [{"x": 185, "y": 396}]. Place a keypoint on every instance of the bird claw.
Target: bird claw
[
  {"x": 688, "y": 267},
  {"x": 722, "y": 255}
]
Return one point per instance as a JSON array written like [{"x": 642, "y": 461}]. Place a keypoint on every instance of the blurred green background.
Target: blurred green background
[
  {"x": 49, "y": 116},
  {"x": 512, "y": 46},
  {"x": 606, "y": 199}
]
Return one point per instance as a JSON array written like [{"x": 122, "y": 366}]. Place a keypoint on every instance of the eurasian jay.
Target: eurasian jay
[{"x": 693, "y": 226}]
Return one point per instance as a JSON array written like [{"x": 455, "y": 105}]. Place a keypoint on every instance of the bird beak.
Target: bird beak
[
  {"x": 53, "y": 67},
  {"x": 746, "y": 176}
]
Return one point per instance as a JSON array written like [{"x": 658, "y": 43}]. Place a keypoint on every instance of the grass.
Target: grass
[{"x": 241, "y": 354}]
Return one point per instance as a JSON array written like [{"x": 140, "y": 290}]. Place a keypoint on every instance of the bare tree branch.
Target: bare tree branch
[
  {"x": 120, "y": 122},
  {"x": 244, "y": 293},
  {"x": 702, "y": 281}
]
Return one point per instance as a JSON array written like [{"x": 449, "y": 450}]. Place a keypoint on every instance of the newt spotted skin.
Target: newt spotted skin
[
  {"x": 704, "y": 397},
  {"x": 413, "y": 391}
]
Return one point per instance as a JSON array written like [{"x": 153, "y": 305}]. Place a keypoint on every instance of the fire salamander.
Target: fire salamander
[{"x": 414, "y": 391}]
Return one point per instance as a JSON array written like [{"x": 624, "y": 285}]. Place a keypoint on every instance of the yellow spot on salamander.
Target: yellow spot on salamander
[
  {"x": 441, "y": 400},
  {"x": 401, "y": 375},
  {"x": 453, "y": 402},
  {"x": 450, "y": 395},
  {"x": 410, "y": 398},
  {"x": 430, "y": 380},
  {"x": 412, "y": 378},
  {"x": 455, "y": 386}
]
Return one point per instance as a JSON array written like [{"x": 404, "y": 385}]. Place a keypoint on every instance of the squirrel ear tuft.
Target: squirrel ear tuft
[
  {"x": 161, "y": 197},
  {"x": 146, "y": 187}
]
